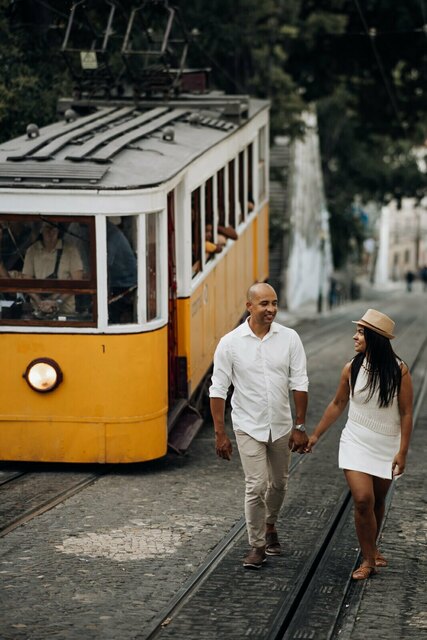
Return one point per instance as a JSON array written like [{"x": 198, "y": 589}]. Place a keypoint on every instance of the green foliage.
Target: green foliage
[
  {"x": 33, "y": 75},
  {"x": 368, "y": 86}
]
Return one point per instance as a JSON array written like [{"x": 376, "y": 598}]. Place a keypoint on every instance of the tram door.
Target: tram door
[{"x": 172, "y": 304}]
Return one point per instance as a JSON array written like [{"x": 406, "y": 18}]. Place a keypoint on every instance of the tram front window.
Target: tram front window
[
  {"x": 47, "y": 270},
  {"x": 122, "y": 269}
]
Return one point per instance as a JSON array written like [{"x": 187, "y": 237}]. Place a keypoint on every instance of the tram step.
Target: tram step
[{"x": 185, "y": 429}]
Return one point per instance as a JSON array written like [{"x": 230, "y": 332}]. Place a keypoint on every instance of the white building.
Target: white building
[{"x": 402, "y": 240}]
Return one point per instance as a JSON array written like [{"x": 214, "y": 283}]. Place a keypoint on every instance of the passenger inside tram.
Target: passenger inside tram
[
  {"x": 212, "y": 247},
  {"x": 227, "y": 232},
  {"x": 50, "y": 258},
  {"x": 122, "y": 274},
  {"x": 15, "y": 238}
]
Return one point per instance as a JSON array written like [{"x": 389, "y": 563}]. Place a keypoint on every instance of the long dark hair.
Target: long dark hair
[{"x": 384, "y": 374}]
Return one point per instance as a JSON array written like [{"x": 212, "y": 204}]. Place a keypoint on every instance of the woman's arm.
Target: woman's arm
[
  {"x": 334, "y": 408},
  {"x": 405, "y": 400}
]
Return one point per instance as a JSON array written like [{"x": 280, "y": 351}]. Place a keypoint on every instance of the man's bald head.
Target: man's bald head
[{"x": 258, "y": 290}]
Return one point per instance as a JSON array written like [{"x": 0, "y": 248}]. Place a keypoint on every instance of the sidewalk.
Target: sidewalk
[{"x": 369, "y": 293}]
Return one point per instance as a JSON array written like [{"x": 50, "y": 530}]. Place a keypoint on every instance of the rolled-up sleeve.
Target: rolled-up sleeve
[
  {"x": 221, "y": 377},
  {"x": 298, "y": 379}
]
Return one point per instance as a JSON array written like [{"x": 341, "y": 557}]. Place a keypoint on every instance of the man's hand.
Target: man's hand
[
  {"x": 310, "y": 444},
  {"x": 223, "y": 446},
  {"x": 298, "y": 441}
]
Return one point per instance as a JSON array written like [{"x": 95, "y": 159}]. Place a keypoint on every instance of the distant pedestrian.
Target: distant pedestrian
[
  {"x": 263, "y": 360},
  {"x": 375, "y": 440},
  {"x": 423, "y": 276},
  {"x": 409, "y": 277}
]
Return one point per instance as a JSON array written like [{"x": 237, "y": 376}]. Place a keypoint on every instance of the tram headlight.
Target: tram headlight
[{"x": 43, "y": 374}]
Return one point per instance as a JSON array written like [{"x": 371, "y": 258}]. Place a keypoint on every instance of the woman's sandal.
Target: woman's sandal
[
  {"x": 380, "y": 561},
  {"x": 363, "y": 572}
]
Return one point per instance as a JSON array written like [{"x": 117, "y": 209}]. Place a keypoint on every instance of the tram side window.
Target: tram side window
[
  {"x": 261, "y": 164},
  {"x": 231, "y": 194},
  {"x": 47, "y": 276},
  {"x": 196, "y": 251},
  {"x": 122, "y": 270},
  {"x": 220, "y": 182},
  {"x": 242, "y": 204},
  {"x": 211, "y": 247},
  {"x": 250, "y": 197},
  {"x": 151, "y": 266}
]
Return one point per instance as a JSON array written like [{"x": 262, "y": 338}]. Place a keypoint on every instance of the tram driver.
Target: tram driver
[{"x": 50, "y": 258}]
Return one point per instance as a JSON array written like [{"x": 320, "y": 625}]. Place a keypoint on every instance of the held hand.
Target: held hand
[
  {"x": 398, "y": 464},
  {"x": 310, "y": 444},
  {"x": 48, "y": 306},
  {"x": 298, "y": 441},
  {"x": 223, "y": 446}
]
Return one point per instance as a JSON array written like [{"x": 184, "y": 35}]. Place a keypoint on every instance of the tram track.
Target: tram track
[
  {"x": 31, "y": 492},
  {"x": 315, "y": 603},
  {"x": 27, "y": 494},
  {"x": 322, "y": 587},
  {"x": 316, "y": 564}
]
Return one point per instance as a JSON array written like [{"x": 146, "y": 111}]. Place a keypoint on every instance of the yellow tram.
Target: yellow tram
[{"x": 112, "y": 297}]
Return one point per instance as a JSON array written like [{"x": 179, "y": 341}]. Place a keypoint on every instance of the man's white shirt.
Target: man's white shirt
[{"x": 262, "y": 372}]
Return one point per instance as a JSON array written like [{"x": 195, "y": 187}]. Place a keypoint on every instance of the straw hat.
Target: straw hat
[{"x": 378, "y": 322}]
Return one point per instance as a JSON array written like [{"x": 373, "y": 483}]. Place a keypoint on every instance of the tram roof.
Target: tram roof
[{"x": 123, "y": 146}]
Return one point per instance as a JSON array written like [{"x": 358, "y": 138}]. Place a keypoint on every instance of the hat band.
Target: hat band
[{"x": 383, "y": 332}]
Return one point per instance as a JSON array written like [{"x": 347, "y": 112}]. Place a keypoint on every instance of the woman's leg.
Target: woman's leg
[
  {"x": 381, "y": 487},
  {"x": 362, "y": 489}
]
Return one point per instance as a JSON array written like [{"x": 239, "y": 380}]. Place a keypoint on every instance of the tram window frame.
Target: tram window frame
[
  {"x": 241, "y": 187},
  {"x": 196, "y": 231},
  {"x": 209, "y": 215},
  {"x": 221, "y": 199},
  {"x": 122, "y": 296},
  {"x": 232, "y": 193},
  {"x": 250, "y": 200},
  {"x": 262, "y": 164},
  {"x": 25, "y": 286},
  {"x": 152, "y": 277}
]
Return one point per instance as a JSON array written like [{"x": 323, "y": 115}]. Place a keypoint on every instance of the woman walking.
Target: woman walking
[{"x": 375, "y": 440}]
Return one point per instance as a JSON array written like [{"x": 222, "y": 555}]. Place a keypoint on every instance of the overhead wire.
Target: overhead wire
[{"x": 372, "y": 35}]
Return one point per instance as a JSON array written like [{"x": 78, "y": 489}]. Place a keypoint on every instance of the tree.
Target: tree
[
  {"x": 362, "y": 64},
  {"x": 32, "y": 76}
]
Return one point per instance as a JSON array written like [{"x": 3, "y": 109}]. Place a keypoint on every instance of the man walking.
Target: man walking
[{"x": 263, "y": 360}]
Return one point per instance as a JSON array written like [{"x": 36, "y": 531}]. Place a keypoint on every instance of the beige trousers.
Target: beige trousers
[{"x": 266, "y": 469}]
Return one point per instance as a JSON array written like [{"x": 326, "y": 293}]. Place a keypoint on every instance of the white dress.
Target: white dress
[{"x": 371, "y": 436}]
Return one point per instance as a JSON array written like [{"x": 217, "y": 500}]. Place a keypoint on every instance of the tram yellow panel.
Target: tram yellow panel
[
  {"x": 114, "y": 394},
  {"x": 52, "y": 442},
  {"x": 125, "y": 442},
  {"x": 262, "y": 245},
  {"x": 183, "y": 320}
]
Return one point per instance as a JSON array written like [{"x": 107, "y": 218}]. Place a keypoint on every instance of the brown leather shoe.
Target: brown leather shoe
[
  {"x": 255, "y": 558},
  {"x": 272, "y": 544}
]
